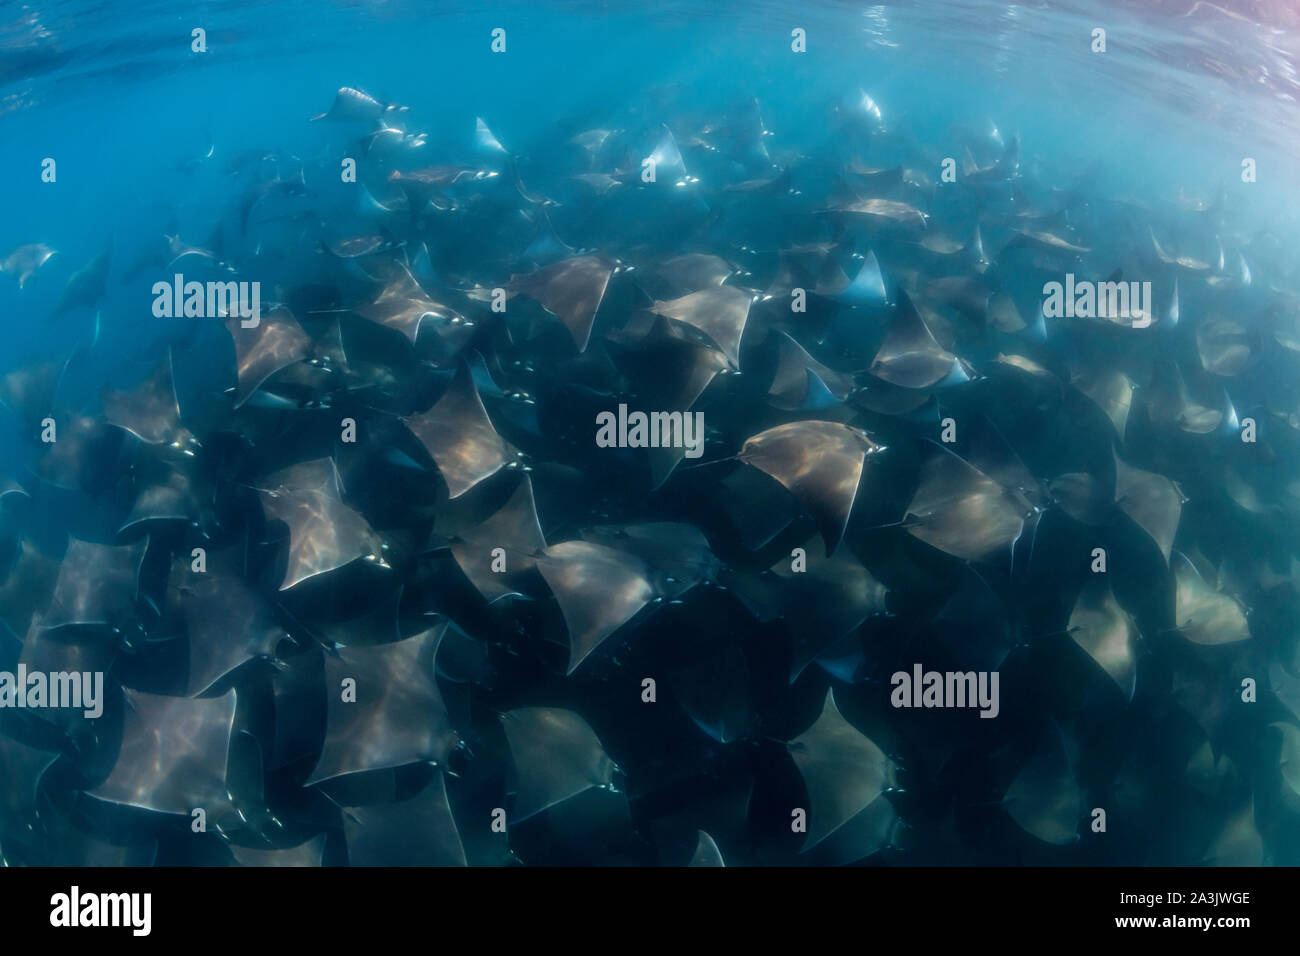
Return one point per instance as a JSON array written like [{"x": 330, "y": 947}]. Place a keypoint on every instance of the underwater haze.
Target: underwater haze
[{"x": 650, "y": 434}]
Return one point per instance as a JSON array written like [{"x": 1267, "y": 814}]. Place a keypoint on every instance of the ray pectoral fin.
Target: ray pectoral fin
[
  {"x": 961, "y": 511},
  {"x": 324, "y": 533},
  {"x": 1044, "y": 799},
  {"x": 720, "y": 312},
  {"x": 1153, "y": 502},
  {"x": 460, "y": 437},
  {"x": 598, "y": 589},
  {"x": 228, "y": 622},
  {"x": 844, "y": 772},
  {"x": 556, "y": 756},
  {"x": 149, "y": 410},
  {"x": 1106, "y": 632},
  {"x": 909, "y": 357},
  {"x": 275, "y": 343},
  {"x": 418, "y": 831},
  {"x": 173, "y": 755},
  {"x": 1203, "y": 614},
  {"x": 820, "y": 463},
  {"x": 571, "y": 290},
  {"x": 97, "y": 586},
  {"x": 384, "y": 708}
]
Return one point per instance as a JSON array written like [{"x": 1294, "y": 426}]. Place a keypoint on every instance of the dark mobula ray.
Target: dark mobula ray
[
  {"x": 23, "y": 262},
  {"x": 1202, "y": 613},
  {"x": 667, "y": 158},
  {"x": 86, "y": 286},
  {"x": 1035, "y": 387},
  {"x": 1186, "y": 263},
  {"x": 358, "y": 246},
  {"x": 150, "y": 411},
  {"x": 808, "y": 266},
  {"x": 909, "y": 357},
  {"x": 397, "y": 717},
  {"x": 418, "y": 831},
  {"x": 174, "y": 755},
  {"x": 67, "y": 844},
  {"x": 485, "y": 141},
  {"x": 985, "y": 448},
  {"x": 21, "y": 769},
  {"x": 671, "y": 374},
  {"x": 690, "y": 272},
  {"x": 598, "y": 589},
  {"x": 1224, "y": 346},
  {"x": 887, "y": 214},
  {"x": 943, "y": 247},
  {"x": 1110, "y": 390},
  {"x": 85, "y": 455},
  {"x": 845, "y": 774},
  {"x": 1003, "y": 314},
  {"x": 1045, "y": 241},
  {"x": 324, "y": 533},
  {"x": 963, "y": 512},
  {"x": 514, "y": 529},
  {"x": 974, "y": 627},
  {"x": 546, "y": 246},
  {"x": 1106, "y": 632},
  {"x": 1239, "y": 842},
  {"x": 1044, "y": 799},
  {"x": 1083, "y": 497},
  {"x": 802, "y": 383},
  {"x": 166, "y": 494},
  {"x": 1153, "y": 502},
  {"x": 178, "y": 250},
  {"x": 460, "y": 437},
  {"x": 591, "y": 141},
  {"x": 720, "y": 312},
  {"x": 355, "y": 106},
  {"x": 97, "y": 587},
  {"x": 571, "y": 290},
  {"x": 599, "y": 183},
  {"x": 28, "y": 586},
  {"x": 307, "y": 853},
  {"x": 714, "y": 688},
  {"x": 825, "y": 602},
  {"x": 518, "y": 408},
  {"x": 1168, "y": 402},
  {"x": 29, "y": 391},
  {"x": 556, "y": 756},
  {"x": 276, "y": 343},
  {"x": 228, "y": 622},
  {"x": 428, "y": 186},
  {"x": 820, "y": 463},
  {"x": 384, "y": 200},
  {"x": 1288, "y": 760},
  {"x": 866, "y": 288},
  {"x": 679, "y": 554},
  {"x": 405, "y": 307}
]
